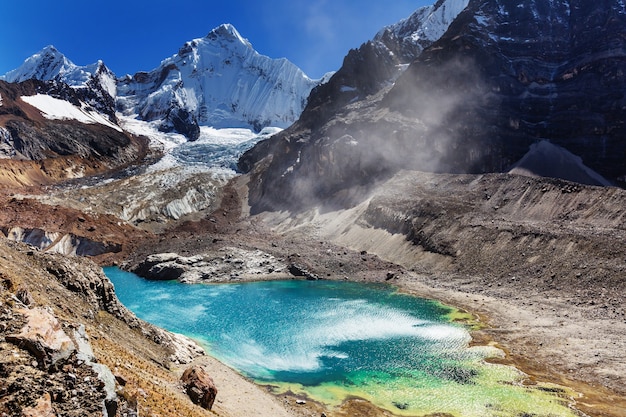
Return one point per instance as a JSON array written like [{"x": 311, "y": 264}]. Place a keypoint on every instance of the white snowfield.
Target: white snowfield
[
  {"x": 56, "y": 109},
  {"x": 428, "y": 23},
  {"x": 50, "y": 64},
  {"x": 223, "y": 82}
]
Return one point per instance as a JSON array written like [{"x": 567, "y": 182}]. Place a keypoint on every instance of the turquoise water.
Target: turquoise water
[{"x": 331, "y": 340}]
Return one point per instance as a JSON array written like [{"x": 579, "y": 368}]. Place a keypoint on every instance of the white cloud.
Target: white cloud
[{"x": 320, "y": 22}]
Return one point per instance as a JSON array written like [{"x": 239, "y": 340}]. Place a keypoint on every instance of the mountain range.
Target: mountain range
[
  {"x": 218, "y": 81},
  {"x": 460, "y": 86},
  {"x": 420, "y": 163},
  {"x": 503, "y": 76}
]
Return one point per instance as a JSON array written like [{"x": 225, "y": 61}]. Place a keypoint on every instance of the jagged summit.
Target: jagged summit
[
  {"x": 50, "y": 64},
  {"x": 44, "y": 65},
  {"x": 227, "y": 31},
  {"x": 422, "y": 28},
  {"x": 377, "y": 64},
  {"x": 219, "y": 81}
]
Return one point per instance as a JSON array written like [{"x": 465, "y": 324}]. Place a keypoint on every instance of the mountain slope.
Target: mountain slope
[
  {"x": 96, "y": 83},
  {"x": 557, "y": 74},
  {"x": 417, "y": 32},
  {"x": 299, "y": 159},
  {"x": 378, "y": 63},
  {"x": 48, "y": 132},
  {"x": 219, "y": 81},
  {"x": 502, "y": 77}
]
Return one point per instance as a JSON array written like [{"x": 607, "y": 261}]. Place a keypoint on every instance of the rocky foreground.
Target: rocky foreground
[{"x": 541, "y": 262}]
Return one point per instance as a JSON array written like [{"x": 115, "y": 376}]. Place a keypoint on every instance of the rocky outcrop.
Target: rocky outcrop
[
  {"x": 84, "y": 148},
  {"x": 84, "y": 278},
  {"x": 41, "y": 357},
  {"x": 43, "y": 336},
  {"x": 43, "y": 408},
  {"x": 298, "y": 270},
  {"x": 227, "y": 263},
  {"x": 472, "y": 102},
  {"x": 199, "y": 386}
]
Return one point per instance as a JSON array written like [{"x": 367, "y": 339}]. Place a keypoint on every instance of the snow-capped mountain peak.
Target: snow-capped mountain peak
[
  {"x": 228, "y": 32},
  {"x": 95, "y": 83},
  {"x": 47, "y": 64},
  {"x": 219, "y": 81},
  {"x": 50, "y": 64},
  {"x": 424, "y": 26}
]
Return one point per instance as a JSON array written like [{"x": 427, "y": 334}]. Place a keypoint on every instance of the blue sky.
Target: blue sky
[{"x": 135, "y": 35}]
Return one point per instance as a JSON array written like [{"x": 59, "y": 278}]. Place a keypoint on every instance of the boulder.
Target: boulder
[
  {"x": 301, "y": 271},
  {"x": 160, "y": 266},
  {"x": 43, "y": 337},
  {"x": 199, "y": 386}
]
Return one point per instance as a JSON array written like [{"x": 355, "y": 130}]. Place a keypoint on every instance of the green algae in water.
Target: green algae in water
[{"x": 335, "y": 340}]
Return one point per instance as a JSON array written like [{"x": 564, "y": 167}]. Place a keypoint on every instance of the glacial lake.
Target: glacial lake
[{"x": 333, "y": 340}]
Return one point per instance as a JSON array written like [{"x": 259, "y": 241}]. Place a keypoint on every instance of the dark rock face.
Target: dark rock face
[
  {"x": 181, "y": 121},
  {"x": 88, "y": 147},
  {"x": 39, "y": 139},
  {"x": 549, "y": 70},
  {"x": 504, "y": 76}
]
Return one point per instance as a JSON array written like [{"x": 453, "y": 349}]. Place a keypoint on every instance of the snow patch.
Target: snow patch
[
  {"x": 428, "y": 23},
  {"x": 55, "y": 109}
]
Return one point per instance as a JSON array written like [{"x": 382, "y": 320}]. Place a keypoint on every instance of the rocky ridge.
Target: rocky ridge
[
  {"x": 227, "y": 263},
  {"x": 472, "y": 102},
  {"x": 58, "y": 351},
  {"x": 37, "y": 150}
]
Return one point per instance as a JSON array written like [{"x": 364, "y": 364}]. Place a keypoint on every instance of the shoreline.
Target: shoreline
[
  {"x": 234, "y": 386},
  {"x": 522, "y": 336},
  {"x": 538, "y": 286}
]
